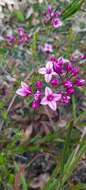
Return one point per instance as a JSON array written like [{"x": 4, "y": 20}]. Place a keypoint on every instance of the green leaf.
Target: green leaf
[
  {"x": 3, "y": 51},
  {"x": 19, "y": 15},
  {"x": 72, "y": 8},
  {"x": 2, "y": 104},
  {"x": 74, "y": 107},
  {"x": 73, "y": 160},
  {"x": 23, "y": 182},
  {"x": 5, "y": 115},
  {"x": 81, "y": 117},
  {"x": 10, "y": 178},
  {"x": 2, "y": 159},
  {"x": 66, "y": 150}
]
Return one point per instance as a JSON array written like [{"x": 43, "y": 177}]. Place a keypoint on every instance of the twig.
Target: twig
[
  {"x": 11, "y": 103},
  {"x": 29, "y": 75}
]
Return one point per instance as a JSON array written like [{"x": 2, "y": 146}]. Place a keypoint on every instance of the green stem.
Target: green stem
[{"x": 74, "y": 107}]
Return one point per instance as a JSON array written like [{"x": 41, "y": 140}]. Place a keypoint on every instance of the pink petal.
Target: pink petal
[
  {"x": 56, "y": 23},
  {"x": 21, "y": 92},
  {"x": 57, "y": 97},
  {"x": 24, "y": 85},
  {"x": 52, "y": 105},
  {"x": 53, "y": 73},
  {"x": 44, "y": 101},
  {"x": 49, "y": 65},
  {"x": 48, "y": 77},
  {"x": 42, "y": 70},
  {"x": 47, "y": 91}
]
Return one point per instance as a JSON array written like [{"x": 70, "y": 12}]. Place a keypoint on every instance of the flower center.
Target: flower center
[
  {"x": 55, "y": 21},
  {"x": 49, "y": 71},
  {"x": 50, "y": 97}
]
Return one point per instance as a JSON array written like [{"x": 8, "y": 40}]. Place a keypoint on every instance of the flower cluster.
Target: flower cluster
[
  {"x": 60, "y": 81},
  {"x": 52, "y": 16},
  {"x": 20, "y": 38}
]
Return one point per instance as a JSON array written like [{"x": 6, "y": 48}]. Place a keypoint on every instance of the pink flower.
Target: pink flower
[
  {"x": 68, "y": 84},
  {"x": 23, "y": 36},
  {"x": 54, "y": 82},
  {"x": 48, "y": 13},
  {"x": 47, "y": 17},
  {"x": 65, "y": 99},
  {"x": 50, "y": 10},
  {"x": 57, "y": 14},
  {"x": 47, "y": 71},
  {"x": 39, "y": 84},
  {"x": 10, "y": 39},
  {"x": 75, "y": 71},
  {"x": 52, "y": 15},
  {"x": 53, "y": 59},
  {"x": 35, "y": 104},
  {"x": 37, "y": 99},
  {"x": 68, "y": 67},
  {"x": 62, "y": 60},
  {"x": 50, "y": 98},
  {"x": 37, "y": 95},
  {"x": 70, "y": 90},
  {"x": 58, "y": 65},
  {"x": 79, "y": 82},
  {"x": 56, "y": 22},
  {"x": 48, "y": 48},
  {"x": 21, "y": 31},
  {"x": 24, "y": 39},
  {"x": 24, "y": 90}
]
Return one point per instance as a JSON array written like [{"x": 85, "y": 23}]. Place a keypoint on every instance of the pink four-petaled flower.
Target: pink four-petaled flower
[
  {"x": 47, "y": 71},
  {"x": 50, "y": 98},
  {"x": 24, "y": 90}
]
